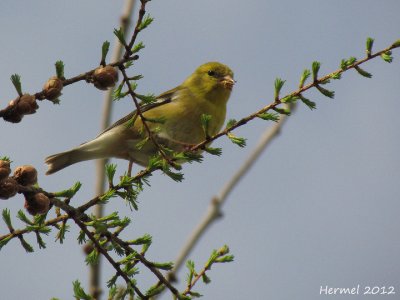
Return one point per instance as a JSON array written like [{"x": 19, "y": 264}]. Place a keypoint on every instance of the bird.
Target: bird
[{"x": 174, "y": 121}]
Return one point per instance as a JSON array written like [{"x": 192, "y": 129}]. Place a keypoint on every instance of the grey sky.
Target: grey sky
[{"x": 321, "y": 205}]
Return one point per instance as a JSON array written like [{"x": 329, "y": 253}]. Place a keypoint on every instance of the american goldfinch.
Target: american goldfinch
[{"x": 206, "y": 92}]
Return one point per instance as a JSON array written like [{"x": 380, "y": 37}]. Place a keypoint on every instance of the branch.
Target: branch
[
  {"x": 138, "y": 28},
  {"x": 217, "y": 256},
  {"x": 11, "y": 112},
  {"x": 20, "y": 232},
  {"x": 297, "y": 93},
  {"x": 145, "y": 262},
  {"x": 108, "y": 257},
  {"x": 140, "y": 114}
]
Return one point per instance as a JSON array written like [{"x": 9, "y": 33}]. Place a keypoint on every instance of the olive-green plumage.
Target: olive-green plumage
[{"x": 206, "y": 91}]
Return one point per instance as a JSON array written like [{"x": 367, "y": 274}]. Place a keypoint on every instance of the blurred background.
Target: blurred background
[{"x": 321, "y": 206}]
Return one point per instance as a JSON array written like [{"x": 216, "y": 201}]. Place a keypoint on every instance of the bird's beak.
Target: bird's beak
[{"x": 228, "y": 82}]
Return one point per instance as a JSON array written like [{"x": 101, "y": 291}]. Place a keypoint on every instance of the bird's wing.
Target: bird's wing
[{"x": 162, "y": 99}]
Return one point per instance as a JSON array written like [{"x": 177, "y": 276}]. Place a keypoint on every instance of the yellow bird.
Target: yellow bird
[{"x": 205, "y": 92}]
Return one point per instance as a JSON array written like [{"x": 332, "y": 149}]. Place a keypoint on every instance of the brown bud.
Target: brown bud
[
  {"x": 26, "y": 104},
  {"x": 8, "y": 188},
  {"x": 52, "y": 88},
  {"x": 24, "y": 108},
  {"x": 25, "y": 175},
  {"x": 5, "y": 169},
  {"x": 11, "y": 113},
  {"x": 4, "y": 163},
  {"x": 37, "y": 204},
  {"x": 4, "y": 173},
  {"x": 87, "y": 248},
  {"x": 12, "y": 116},
  {"x": 105, "y": 77}
]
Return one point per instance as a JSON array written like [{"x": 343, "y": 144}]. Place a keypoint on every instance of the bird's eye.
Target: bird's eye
[{"x": 211, "y": 73}]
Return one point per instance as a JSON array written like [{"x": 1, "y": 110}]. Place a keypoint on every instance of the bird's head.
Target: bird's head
[{"x": 213, "y": 81}]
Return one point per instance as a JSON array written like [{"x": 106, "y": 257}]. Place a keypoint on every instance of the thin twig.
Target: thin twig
[
  {"x": 20, "y": 232},
  {"x": 145, "y": 262},
  {"x": 78, "y": 217},
  {"x": 301, "y": 90},
  {"x": 140, "y": 114},
  {"x": 142, "y": 11},
  {"x": 108, "y": 257},
  {"x": 194, "y": 281}
]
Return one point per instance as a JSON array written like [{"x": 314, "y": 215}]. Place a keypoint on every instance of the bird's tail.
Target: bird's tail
[
  {"x": 94, "y": 149},
  {"x": 59, "y": 161}
]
